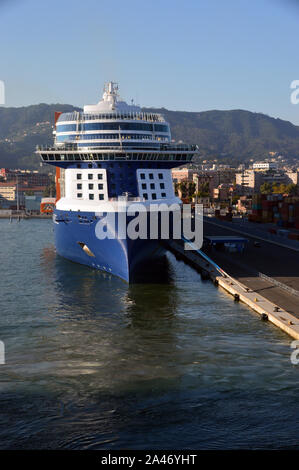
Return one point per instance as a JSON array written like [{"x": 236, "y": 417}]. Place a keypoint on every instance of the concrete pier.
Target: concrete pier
[{"x": 277, "y": 303}]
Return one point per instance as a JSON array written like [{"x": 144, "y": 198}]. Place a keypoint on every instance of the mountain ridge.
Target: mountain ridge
[{"x": 230, "y": 135}]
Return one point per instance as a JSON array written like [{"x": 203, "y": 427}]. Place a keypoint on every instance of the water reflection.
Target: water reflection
[
  {"x": 116, "y": 334},
  {"x": 169, "y": 363},
  {"x": 79, "y": 287}
]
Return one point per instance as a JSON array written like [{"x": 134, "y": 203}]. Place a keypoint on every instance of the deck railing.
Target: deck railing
[
  {"x": 133, "y": 116},
  {"x": 75, "y": 147}
]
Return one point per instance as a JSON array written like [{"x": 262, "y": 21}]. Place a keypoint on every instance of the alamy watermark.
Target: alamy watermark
[
  {"x": 2, "y": 92},
  {"x": 295, "y": 93},
  {"x": 137, "y": 220},
  {"x": 295, "y": 353},
  {"x": 2, "y": 353}
]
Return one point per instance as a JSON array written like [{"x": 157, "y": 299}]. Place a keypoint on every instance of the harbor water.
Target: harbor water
[{"x": 170, "y": 362}]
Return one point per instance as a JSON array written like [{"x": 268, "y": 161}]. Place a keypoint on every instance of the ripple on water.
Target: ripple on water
[{"x": 169, "y": 362}]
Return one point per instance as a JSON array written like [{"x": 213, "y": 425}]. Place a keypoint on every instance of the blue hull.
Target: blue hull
[{"x": 76, "y": 240}]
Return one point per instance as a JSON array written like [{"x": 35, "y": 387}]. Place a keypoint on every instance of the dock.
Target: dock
[{"x": 264, "y": 276}]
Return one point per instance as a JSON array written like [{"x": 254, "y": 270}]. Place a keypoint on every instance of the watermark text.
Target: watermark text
[
  {"x": 159, "y": 221},
  {"x": 2, "y": 353},
  {"x": 295, "y": 93}
]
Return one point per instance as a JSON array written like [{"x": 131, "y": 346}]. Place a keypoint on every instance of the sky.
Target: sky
[{"x": 191, "y": 55}]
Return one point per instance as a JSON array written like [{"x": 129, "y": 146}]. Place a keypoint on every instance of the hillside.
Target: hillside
[
  {"x": 21, "y": 129},
  {"x": 235, "y": 135}
]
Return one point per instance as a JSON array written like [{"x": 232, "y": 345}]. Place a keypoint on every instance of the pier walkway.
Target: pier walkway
[
  {"x": 265, "y": 277},
  {"x": 256, "y": 264}
]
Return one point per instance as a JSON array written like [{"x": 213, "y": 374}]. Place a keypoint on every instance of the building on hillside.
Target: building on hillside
[
  {"x": 244, "y": 205},
  {"x": 225, "y": 176},
  {"x": 13, "y": 194},
  {"x": 223, "y": 192},
  {"x": 183, "y": 174},
  {"x": 8, "y": 192},
  {"x": 200, "y": 180},
  {"x": 292, "y": 177},
  {"x": 250, "y": 181},
  {"x": 215, "y": 178},
  {"x": 30, "y": 178},
  {"x": 264, "y": 166}
]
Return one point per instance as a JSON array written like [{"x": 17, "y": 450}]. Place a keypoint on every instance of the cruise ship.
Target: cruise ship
[{"x": 110, "y": 158}]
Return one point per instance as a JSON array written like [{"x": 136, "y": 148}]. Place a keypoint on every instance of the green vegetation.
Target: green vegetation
[
  {"x": 266, "y": 188},
  {"x": 234, "y": 136},
  {"x": 203, "y": 190},
  {"x": 50, "y": 190},
  {"x": 275, "y": 188},
  {"x": 292, "y": 189},
  {"x": 187, "y": 189},
  {"x": 235, "y": 200},
  {"x": 230, "y": 136},
  {"x": 22, "y": 129}
]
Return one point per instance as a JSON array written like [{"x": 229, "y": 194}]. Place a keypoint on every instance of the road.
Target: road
[{"x": 272, "y": 260}]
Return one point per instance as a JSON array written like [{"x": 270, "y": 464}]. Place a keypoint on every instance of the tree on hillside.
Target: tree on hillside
[
  {"x": 203, "y": 189},
  {"x": 266, "y": 188},
  {"x": 278, "y": 188},
  {"x": 292, "y": 189},
  {"x": 191, "y": 189}
]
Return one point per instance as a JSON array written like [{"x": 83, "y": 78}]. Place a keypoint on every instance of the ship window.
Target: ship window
[
  {"x": 162, "y": 185},
  {"x": 79, "y": 195},
  {"x": 142, "y": 176},
  {"x": 89, "y": 165},
  {"x": 91, "y": 196},
  {"x": 90, "y": 176},
  {"x": 101, "y": 197},
  {"x": 160, "y": 176},
  {"x": 100, "y": 186},
  {"x": 163, "y": 194},
  {"x": 90, "y": 186},
  {"x": 143, "y": 185},
  {"x": 154, "y": 196},
  {"x": 145, "y": 196},
  {"x": 152, "y": 185},
  {"x": 78, "y": 165},
  {"x": 100, "y": 176},
  {"x": 151, "y": 176},
  {"x": 161, "y": 128},
  {"x": 79, "y": 186},
  {"x": 99, "y": 164},
  {"x": 79, "y": 176}
]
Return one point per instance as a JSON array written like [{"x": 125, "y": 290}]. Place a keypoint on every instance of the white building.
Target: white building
[{"x": 264, "y": 166}]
